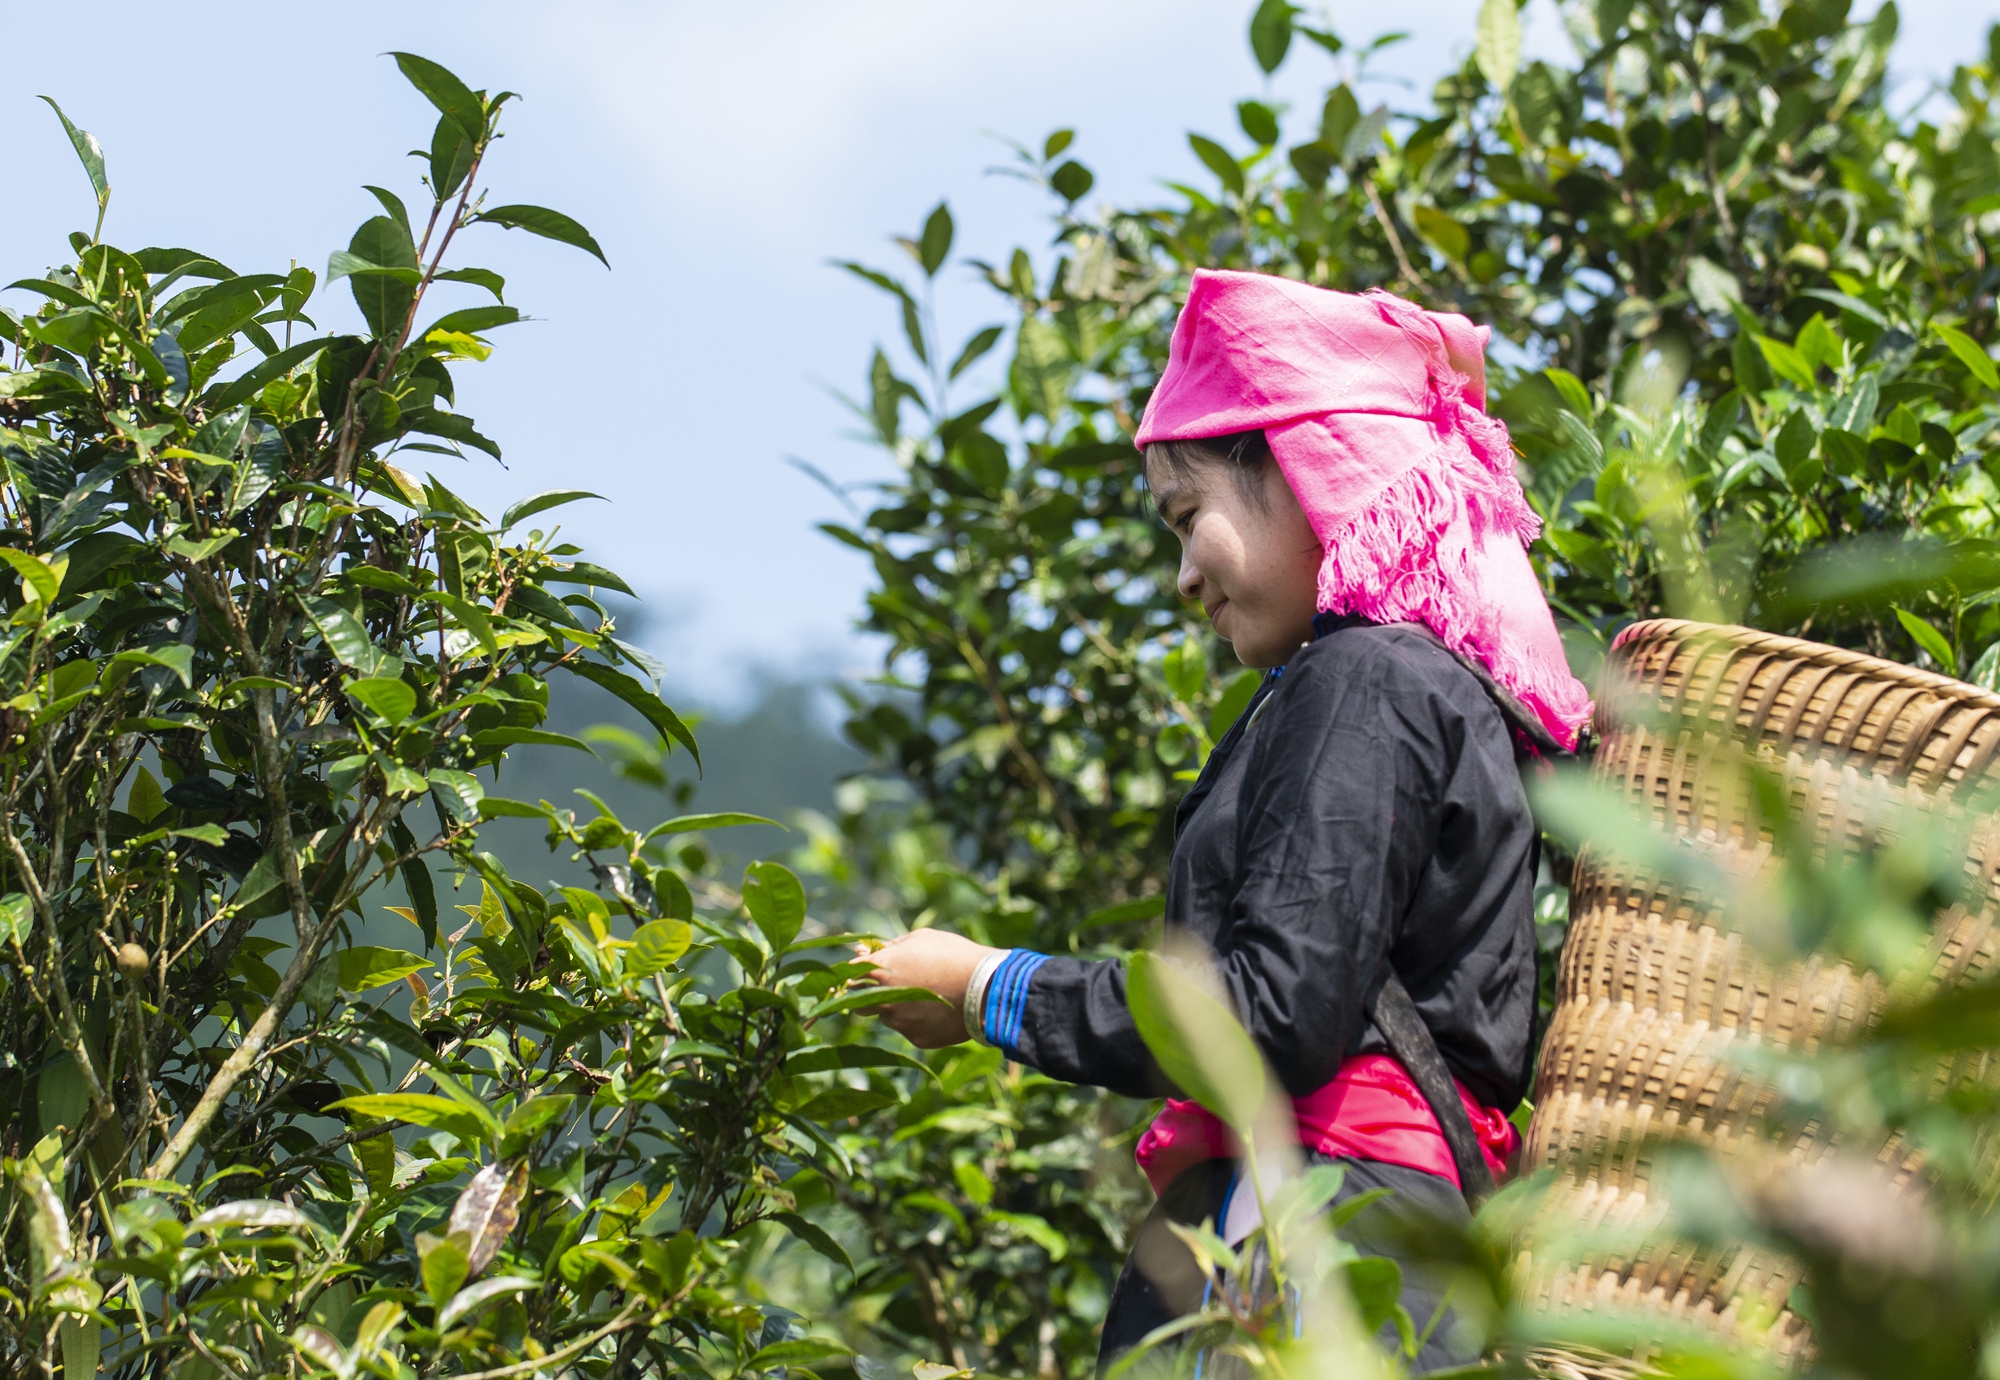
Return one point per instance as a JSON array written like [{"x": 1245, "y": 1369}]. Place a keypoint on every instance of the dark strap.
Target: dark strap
[
  {"x": 1396, "y": 1015},
  {"x": 1410, "y": 1040}
]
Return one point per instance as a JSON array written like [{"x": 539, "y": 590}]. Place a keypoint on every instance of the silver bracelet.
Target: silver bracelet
[{"x": 975, "y": 995}]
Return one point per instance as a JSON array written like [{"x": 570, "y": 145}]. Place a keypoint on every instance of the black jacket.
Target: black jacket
[{"x": 1366, "y": 807}]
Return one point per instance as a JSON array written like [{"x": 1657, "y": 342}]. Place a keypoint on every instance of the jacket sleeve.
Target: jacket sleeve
[{"x": 1340, "y": 806}]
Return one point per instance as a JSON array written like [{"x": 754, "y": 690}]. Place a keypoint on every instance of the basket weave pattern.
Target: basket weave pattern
[{"x": 1658, "y": 988}]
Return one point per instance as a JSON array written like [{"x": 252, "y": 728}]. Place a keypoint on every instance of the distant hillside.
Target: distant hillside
[{"x": 779, "y": 757}]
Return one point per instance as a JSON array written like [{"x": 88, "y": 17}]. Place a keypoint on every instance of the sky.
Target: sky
[{"x": 722, "y": 154}]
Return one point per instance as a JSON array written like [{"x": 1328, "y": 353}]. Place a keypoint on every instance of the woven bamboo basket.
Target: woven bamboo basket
[{"x": 1658, "y": 988}]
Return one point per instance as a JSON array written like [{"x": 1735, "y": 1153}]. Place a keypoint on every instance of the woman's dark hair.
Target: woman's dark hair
[{"x": 1245, "y": 453}]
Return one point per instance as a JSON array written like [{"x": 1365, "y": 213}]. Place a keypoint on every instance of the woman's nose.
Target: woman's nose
[{"x": 1189, "y": 582}]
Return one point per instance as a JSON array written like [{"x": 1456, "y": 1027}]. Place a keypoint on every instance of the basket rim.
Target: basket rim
[{"x": 1686, "y": 630}]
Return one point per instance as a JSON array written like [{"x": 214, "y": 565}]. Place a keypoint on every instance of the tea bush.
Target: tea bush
[{"x": 252, "y": 674}]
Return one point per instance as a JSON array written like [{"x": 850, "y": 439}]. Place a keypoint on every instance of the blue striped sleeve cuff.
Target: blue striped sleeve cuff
[{"x": 1007, "y": 998}]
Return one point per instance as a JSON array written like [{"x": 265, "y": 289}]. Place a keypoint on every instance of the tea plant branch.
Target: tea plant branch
[
  {"x": 245, "y": 1056},
  {"x": 72, "y": 1030},
  {"x": 616, "y": 1325},
  {"x": 1403, "y": 269},
  {"x": 1005, "y": 714}
]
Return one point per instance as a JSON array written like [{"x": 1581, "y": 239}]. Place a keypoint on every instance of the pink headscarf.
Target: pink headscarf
[{"x": 1375, "y": 412}]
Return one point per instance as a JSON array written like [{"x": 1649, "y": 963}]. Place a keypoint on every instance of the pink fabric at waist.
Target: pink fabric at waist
[{"x": 1372, "y": 1110}]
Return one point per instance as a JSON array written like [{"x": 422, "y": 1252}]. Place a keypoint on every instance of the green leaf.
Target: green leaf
[
  {"x": 451, "y": 156},
  {"x": 1713, "y": 287},
  {"x": 17, "y": 918},
  {"x": 482, "y": 277},
  {"x": 473, "y": 619},
  {"x": 445, "y": 91},
  {"x": 252, "y": 380},
  {"x": 550, "y": 225},
  {"x": 391, "y": 203},
  {"x": 451, "y": 427},
  {"x": 800, "y": 1351},
  {"x": 1072, "y": 180},
  {"x": 82, "y": 1345},
  {"x": 542, "y": 502},
  {"x": 1035, "y": 1229},
  {"x": 726, "y": 819},
  {"x": 416, "y": 880},
  {"x": 1787, "y": 363},
  {"x": 1235, "y": 698},
  {"x": 364, "y": 966},
  {"x": 831, "y": 1058},
  {"x": 1218, "y": 161},
  {"x": 176, "y": 657},
  {"x": 1186, "y": 670},
  {"x": 499, "y": 807},
  {"x": 516, "y": 737},
  {"x": 444, "y": 1267},
  {"x": 205, "y": 548},
  {"x": 975, "y": 348},
  {"x": 530, "y": 1120},
  {"x": 1970, "y": 355},
  {"x": 1199, "y": 1044},
  {"x": 650, "y": 706},
  {"x": 89, "y": 151},
  {"x": 776, "y": 901},
  {"x": 467, "y": 1300},
  {"x": 145, "y": 801},
  {"x": 1985, "y": 672},
  {"x": 384, "y": 298},
  {"x": 816, "y": 1237},
  {"x": 1931, "y": 640},
  {"x": 421, "y": 1109},
  {"x": 1499, "y": 46},
  {"x": 1042, "y": 368},
  {"x": 584, "y": 573},
  {"x": 460, "y": 792},
  {"x": 1271, "y": 33},
  {"x": 472, "y": 320},
  {"x": 935, "y": 246},
  {"x": 656, "y": 946},
  {"x": 863, "y": 998},
  {"x": 1259, "y": 121},
  {"x": 345, "y": 635},
  {"x": 391, "y": 700},
  {"x": 35, "y": 572},
  {"x": 838, "y": 1104},
  {"x": 1450, "y": 238}
]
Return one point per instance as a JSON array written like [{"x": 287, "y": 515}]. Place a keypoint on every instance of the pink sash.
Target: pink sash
[{"x": 1372, "y": 1110}]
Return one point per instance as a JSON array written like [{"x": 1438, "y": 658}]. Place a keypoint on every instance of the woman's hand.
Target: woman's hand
[{"x": 933, "y": 959}]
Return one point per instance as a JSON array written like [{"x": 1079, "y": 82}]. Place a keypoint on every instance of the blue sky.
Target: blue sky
[{"x": 721, "y": 154}]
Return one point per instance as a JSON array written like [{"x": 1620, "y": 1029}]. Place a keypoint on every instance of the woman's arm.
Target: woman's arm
[{"x": 1334, "y": 827}]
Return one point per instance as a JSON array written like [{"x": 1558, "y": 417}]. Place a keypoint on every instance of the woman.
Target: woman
[{"x": 1349, "y": 518}]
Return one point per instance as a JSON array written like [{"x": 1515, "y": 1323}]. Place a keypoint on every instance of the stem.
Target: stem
[
  {"x": 617, "y": 1324},
  {"x": 72, "y": 1030},
  {"x": 245, "y": 1055},
  {"x": 1408, "y": 274}
]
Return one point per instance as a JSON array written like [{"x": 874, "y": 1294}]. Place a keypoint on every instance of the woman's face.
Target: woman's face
[{"x": 1247, "y": 553}]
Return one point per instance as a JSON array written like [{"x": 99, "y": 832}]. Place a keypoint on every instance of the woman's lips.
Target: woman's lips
[{"x": 1215, "y": 614}]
